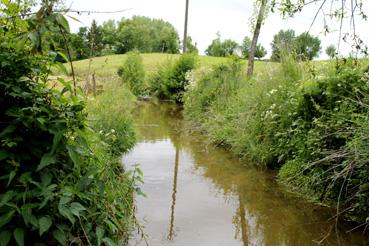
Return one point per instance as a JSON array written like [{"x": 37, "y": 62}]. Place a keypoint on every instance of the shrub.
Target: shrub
[
  {"x": 208, "y": 95},
  {"x": 132, "y": 73},
  {"x": 58, "y": 182},
  {"x": 170, "y": 81},
  {"x": 314, "y": 128},
  {"x": 334, "y": 158}
]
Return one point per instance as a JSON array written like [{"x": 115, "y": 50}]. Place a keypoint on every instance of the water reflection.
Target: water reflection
[
  {"x": 171, "y": 232},
  {"x": 212, "y": 198}
]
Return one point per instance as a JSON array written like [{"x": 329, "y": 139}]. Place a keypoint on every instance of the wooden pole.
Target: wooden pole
[{"x": 185, "y": 29}]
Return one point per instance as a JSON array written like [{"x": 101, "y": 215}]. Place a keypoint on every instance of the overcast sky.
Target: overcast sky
[{"x": 206, "y": 17}]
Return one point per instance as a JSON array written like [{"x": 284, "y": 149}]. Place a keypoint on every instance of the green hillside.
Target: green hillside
[{"x": 107, "y": 66}]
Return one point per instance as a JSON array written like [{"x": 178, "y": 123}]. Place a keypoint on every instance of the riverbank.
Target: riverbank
[
  {"x": 310, "y": 124},
  {"x": 198, "y": 194}
]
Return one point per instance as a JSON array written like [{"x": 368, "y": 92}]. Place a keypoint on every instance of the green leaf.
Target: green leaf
[
  {"x": 46, "y": 160},
  {"x": 56, "y": 140},
  {"x": 73, "y": 154},
  {"x": 5, "y": 238},
  {"x": 62, "y": 21},
  {"x": 6, "y": 218},
  {"x": 76, "y": 208},
  {"x": 63, "y": 56},
  {"x": 19, "y": 236},
  {"x": 61, "y": 68},
  {"x": 26, "y": 212},
  {"x": 67, "y": 214},
  {"x": 99, "y": 234},
  {"x": 59, "y": 235},
  {"x": 11, "y": 177},
  {"x": 44, "y": 224},
  {"x": 109, "y": 242},
  {"x": 6, "y": 197}
]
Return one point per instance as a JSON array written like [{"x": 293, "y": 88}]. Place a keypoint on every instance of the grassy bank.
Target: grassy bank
[
  {"x": 310, "y": 123},
  {"x": 106, "y": 67}
]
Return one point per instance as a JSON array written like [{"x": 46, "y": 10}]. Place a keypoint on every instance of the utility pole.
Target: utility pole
[{"x": 185, "y": 29}]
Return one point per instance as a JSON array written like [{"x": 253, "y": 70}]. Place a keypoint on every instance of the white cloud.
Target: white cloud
[{"x": 207, "y": 17}]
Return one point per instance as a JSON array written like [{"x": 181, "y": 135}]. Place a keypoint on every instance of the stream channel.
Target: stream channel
[{"x": 198, "y": 194}]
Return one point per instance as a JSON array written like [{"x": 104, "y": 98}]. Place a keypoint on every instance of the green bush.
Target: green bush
[
  {"x": 241, "y": 113},
  {"x": 210, "y": 95},
  {"x": 315, "y": 128},
  {"x": 170, "y": 81},
  {"x": 334, "y": 158},
  {"x": 133, "y": 74},
  {"x": 59, "y": 182}
]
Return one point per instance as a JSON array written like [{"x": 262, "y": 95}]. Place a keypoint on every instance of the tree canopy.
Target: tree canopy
[
  {"x": 139, "y": 33},
  {"x": 305, "y": 46},
  {"x": 245, "y": 49},
  {"x": 222, "y": 48},
  {"x": 331, "y": 51}
]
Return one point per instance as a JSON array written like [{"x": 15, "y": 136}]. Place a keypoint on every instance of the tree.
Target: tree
[
  {"x": 221, "y": 48},
  {"x": 215, "y": 48},
  {"x": 146, "y": 35},
  {"x": 229, "y": 47},
  {"x": 109, "y": 30},
  {"x": 340, "y": 10},
  {"x": 95, "y": 39},
  {"x": 283, "y": 41},
  {"x": 245, "y": 48},
  {"x": 79, "y": 44},
  {"x": 307, "y": 47},
  {"x": 260, "y": 51},
  {"x": 259, "y": 22},
  {"x": 331, "y": 51},
  {"x": 191, "y": 47}
]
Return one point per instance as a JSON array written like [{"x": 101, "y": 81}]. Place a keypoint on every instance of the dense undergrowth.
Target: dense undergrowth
[
  {"x": 110, "y": 116},
  {"x": 132, "y": 73},
  {"x": 170, "y": 80},
  {"x": 61, "y": 179},
  {"x": 313, "y": 128}
]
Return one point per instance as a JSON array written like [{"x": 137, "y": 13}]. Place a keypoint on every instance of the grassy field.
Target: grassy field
[{"x": 106, "y": 67}]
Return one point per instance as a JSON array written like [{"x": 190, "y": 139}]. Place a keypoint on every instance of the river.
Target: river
[{"x": 198, "y": 194}]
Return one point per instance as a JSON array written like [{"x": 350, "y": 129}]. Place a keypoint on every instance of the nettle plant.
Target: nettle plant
[{"x": 58, "y": 184}]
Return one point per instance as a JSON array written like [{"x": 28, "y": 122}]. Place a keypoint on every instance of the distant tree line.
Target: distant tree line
[
  {"x": 229, "y": 47},
  {"x": 304, "y": 46},
  {"x": 139, "y": 33},
  {"x": 148, "y": 35}
]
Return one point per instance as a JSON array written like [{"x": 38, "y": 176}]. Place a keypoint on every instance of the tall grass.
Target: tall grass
[
  {"x": 311, "y": 125},
  {"x": 171, "y": 80},
  {"x": 110, "y": 115}
]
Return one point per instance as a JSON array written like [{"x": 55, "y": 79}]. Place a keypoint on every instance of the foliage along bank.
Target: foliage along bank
[
  {"x": 311, "y": 126},
  {"x": 61, "y": 178}
]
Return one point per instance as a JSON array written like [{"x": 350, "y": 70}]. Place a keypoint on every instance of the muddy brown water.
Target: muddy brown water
[{"x": 198, "y": 194}]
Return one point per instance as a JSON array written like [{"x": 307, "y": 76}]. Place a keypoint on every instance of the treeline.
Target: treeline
[
  {"x": 139, "y": 33},
  {"x": 148, "y": 35},
  {"x": 304, "y": 46},
  {"x": 229, "y": 47}
]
